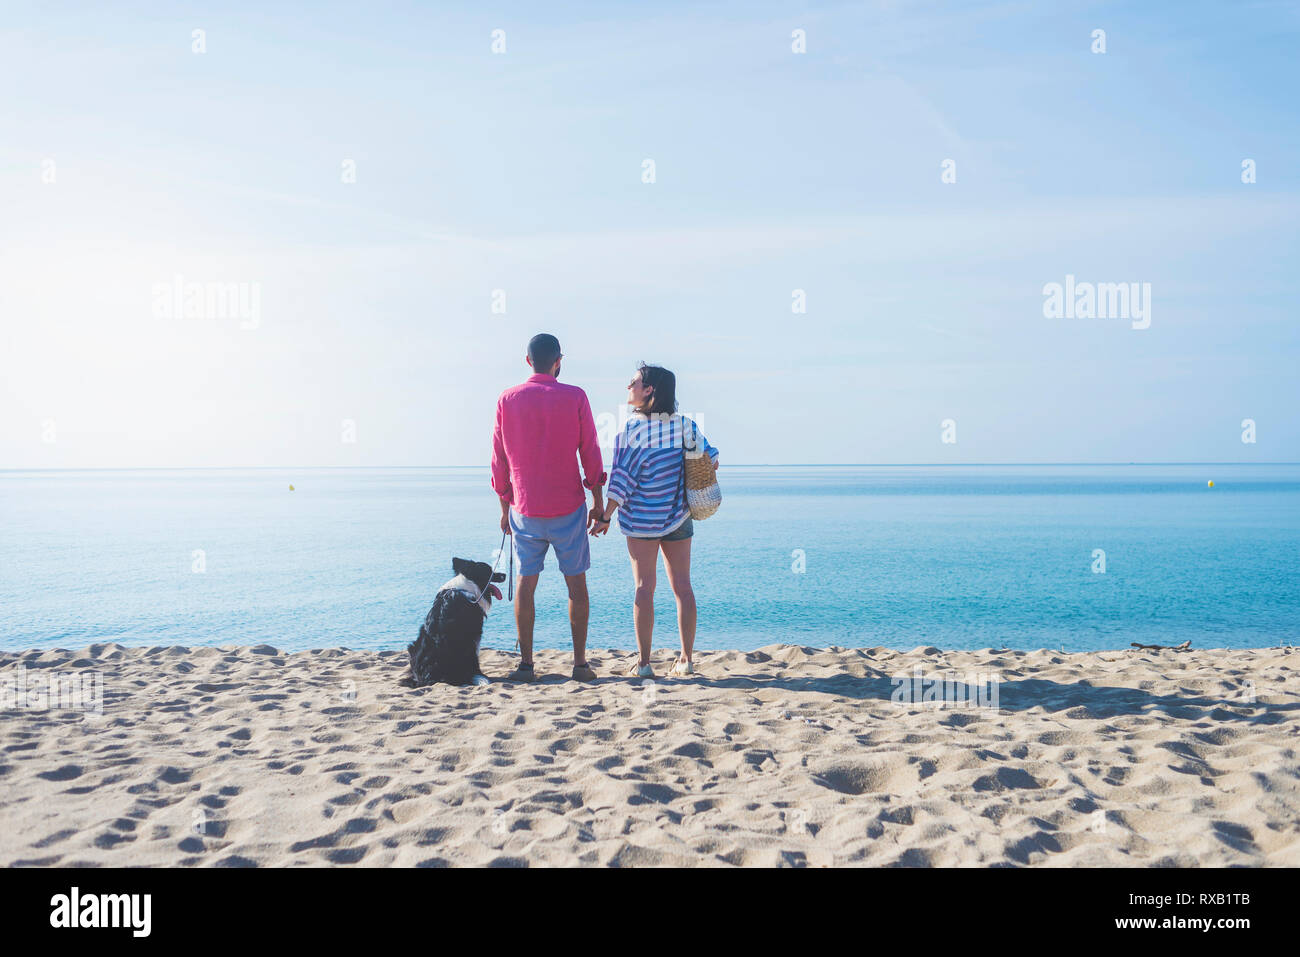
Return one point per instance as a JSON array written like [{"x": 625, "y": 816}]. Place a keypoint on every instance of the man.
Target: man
[{"x": 542, "y": 429}]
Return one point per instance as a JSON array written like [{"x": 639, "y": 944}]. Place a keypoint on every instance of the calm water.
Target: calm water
[{"x": 960, "y": 557}]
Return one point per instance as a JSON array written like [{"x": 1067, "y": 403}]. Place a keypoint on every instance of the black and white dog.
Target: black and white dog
[{"x": 447, "y": 648}]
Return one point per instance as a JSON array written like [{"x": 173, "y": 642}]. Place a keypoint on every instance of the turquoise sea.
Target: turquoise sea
[{"x": 900, "y": 556}]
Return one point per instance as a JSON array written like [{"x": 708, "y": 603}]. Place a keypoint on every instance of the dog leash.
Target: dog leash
[
  {"x": 510, "y": 588},
  {"x": 507, "y": 537},
  {"x": 510, "y": 593}
]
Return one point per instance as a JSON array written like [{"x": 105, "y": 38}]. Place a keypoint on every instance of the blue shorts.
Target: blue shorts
[
  {"x": 682, "y": 532},
  {"x": 567, "y": 533}
]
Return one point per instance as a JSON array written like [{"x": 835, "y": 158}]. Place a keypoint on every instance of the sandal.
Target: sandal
[
  {"x": 639, "y": 670},
  {"x": 524, "y": 674},
  {"x": 681, "y": 669}
]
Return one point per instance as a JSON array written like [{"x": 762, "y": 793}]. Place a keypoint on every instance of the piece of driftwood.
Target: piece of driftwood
[{"x": 1185, "y": 646}]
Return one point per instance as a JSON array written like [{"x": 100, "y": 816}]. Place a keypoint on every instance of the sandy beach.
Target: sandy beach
[{"x": 781, "y": 756}]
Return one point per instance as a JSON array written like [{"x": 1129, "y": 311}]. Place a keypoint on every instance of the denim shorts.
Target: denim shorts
[
  {"x": 683, "y": 531},
  {"x": 566, "y": 533}
]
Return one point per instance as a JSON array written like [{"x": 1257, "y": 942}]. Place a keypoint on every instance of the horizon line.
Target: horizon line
[{"x": 749, "y": 465}]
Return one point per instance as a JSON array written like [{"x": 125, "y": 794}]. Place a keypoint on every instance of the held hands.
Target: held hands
[{"x": 597, "y": 524}]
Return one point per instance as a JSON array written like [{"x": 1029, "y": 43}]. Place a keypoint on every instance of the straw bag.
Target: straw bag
[{"x": 703, "y": 496}]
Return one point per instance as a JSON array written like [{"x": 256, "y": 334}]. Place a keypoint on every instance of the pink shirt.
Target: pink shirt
[{"x": 541, "y": 424}]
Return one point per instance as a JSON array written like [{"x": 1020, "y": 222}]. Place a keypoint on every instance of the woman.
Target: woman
[{"x": 647, "y": 486}]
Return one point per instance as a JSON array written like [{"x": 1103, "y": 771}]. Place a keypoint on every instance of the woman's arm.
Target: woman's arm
[
  {"x": 602, "y": 527},
  {"x": 623, "y": 477}
]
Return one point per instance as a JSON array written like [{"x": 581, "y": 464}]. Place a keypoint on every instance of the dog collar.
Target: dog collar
[{"x": 471, "y": 591}]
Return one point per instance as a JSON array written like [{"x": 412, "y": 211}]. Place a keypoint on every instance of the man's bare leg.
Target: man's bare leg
[
  {"x": 525, "y": 615},
  {"x": 579, "y": 613}
]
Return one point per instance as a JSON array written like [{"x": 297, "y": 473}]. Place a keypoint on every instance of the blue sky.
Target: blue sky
[{"x": 522, "y": 172}]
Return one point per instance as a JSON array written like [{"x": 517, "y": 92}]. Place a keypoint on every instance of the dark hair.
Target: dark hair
[
  {"x": 664, "y": 383},
  {"x": 543, "y": 350}
]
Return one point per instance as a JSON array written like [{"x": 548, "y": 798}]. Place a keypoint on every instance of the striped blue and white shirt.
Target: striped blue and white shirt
[{"x": 646, "y": 477}]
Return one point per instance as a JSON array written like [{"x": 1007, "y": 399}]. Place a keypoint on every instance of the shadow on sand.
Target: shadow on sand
[{"x": 1014, "y": 695}]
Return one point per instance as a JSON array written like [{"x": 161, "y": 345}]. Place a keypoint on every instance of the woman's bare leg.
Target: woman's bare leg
[
  {"x": 677, "y": 560},
  {"x": 645, "y": 556}
]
